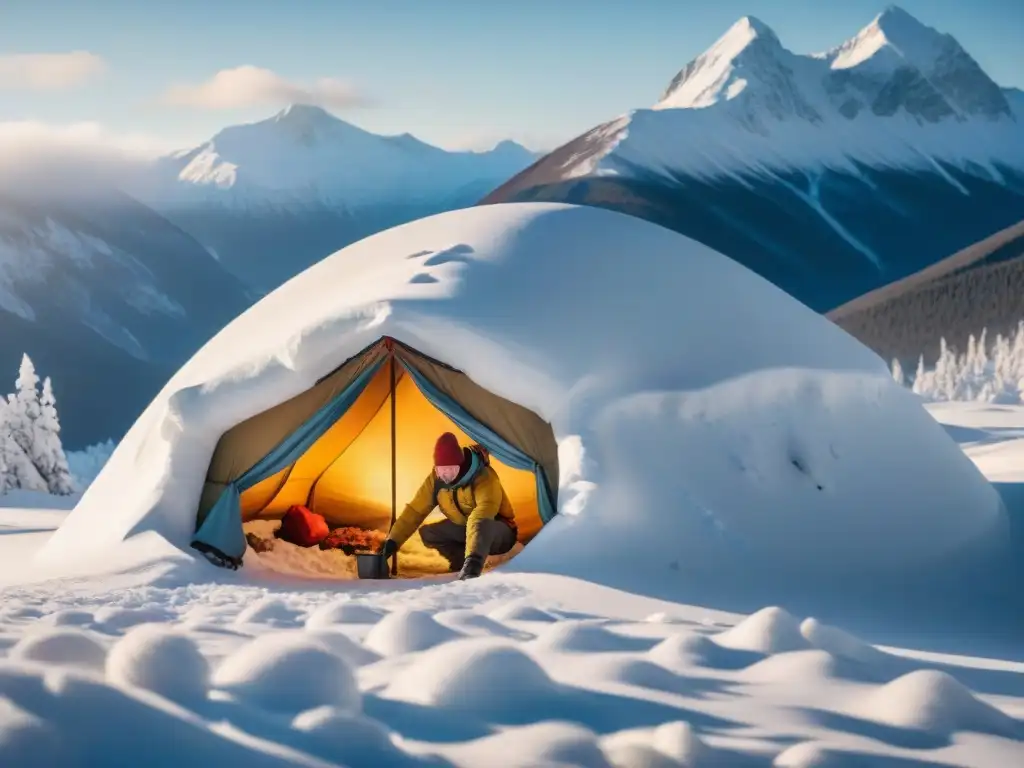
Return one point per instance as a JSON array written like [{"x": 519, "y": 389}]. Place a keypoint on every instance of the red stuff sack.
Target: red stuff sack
[{"x": 302, "y": 527}]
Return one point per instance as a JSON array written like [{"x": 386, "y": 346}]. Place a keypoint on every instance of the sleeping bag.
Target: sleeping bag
[{"x": 302, "y": 527}]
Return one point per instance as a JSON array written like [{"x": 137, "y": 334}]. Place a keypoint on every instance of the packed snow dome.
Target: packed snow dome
[{"x": 651, "y": 400}]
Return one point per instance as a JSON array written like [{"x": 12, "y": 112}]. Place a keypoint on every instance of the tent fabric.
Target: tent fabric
[
  {"x": 222, "y": 528},
  {"x": 299, "y": 483},
  {"x": 242, "y": 446},
  {"x": 329, "y": 448},
  {"x": 491, "y": 440}
]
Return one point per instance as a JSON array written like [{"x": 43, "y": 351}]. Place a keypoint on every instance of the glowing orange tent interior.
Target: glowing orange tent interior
[{"x": 369, "y": 462}]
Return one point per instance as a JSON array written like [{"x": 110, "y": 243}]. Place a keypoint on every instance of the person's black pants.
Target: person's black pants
[{"x": 495, "y": 538}]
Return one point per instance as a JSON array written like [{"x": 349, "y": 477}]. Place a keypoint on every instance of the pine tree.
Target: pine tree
[
  {"x": 6, "y": 481},
  {"x": 48, "y": 449},
  {"x": 24, "y": 406},
  {"x": 897, "y": 372},
  {"x": 34, "y": 457},
  {"x": 20, "y": 472}
]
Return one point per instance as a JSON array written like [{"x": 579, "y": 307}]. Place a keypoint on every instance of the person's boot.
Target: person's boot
[
  {"x": 472, "y": 568},
  {"x": 455, "y": 565}
]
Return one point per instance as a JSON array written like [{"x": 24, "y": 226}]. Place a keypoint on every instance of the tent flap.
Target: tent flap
[
  {"x": 491, "y": 440},
  {"x": 222, "y": 528}
]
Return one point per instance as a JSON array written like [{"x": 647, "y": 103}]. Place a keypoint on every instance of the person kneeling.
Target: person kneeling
[{"x": 479, "y": 517}]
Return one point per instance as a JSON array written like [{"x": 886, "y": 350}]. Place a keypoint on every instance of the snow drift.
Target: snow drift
[{"x": 702, "y": 414}]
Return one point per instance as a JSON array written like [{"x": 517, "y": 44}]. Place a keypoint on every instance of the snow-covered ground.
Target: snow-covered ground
[
  {"x": 179, "y": 663},
  {"x": 991, "y": 435},
  {"x": 737, "y": 479}
]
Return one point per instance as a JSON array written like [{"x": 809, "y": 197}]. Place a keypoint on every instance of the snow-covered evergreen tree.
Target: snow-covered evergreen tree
[
  {"x": 30, "y": 437},
  {"x": 985, "y": 372},
  {"x": 23, "y": 406},
  {"x": 48, "y": 449},
  {"x": 20, "y": 472},
  {"x": 897, "y": 372},
  {"x": 6, "y": 481}
]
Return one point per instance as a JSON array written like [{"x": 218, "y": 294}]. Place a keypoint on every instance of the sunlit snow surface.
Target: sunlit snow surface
[{"x": 166, "y": 666}]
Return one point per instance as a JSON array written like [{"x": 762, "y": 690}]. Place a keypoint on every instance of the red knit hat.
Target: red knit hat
[{"x": 447, "y": 451}]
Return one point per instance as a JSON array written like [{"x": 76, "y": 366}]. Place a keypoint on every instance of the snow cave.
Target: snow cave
[
  {"x": 355, "y": 447},
  {"x": 703, "y": 417}
]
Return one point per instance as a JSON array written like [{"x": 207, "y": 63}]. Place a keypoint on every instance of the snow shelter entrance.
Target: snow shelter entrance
[{"x": 357, "y": 445}]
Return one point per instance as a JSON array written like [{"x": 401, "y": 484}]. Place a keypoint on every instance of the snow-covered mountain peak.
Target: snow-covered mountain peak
[
  {"x": 895, "y": 66},
  {"x": 303, "y": 113},
  {"x": 893, "y": 39},
  {"x": 748, "y": 50},
  {"x": 306, "y": 156},
  {"x": 744, "y": 32},
  {"x": 297, "y": 127},
  {"x": 901, "y": 59}
]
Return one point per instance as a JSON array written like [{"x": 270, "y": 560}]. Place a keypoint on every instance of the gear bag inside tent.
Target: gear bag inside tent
[{"x": 357, "y": 445}]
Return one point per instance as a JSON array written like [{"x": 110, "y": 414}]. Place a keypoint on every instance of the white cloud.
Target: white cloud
[
  {"x": 249, "y": 86},
  {"x": 48, "y": 70},
  {"x": 76, "y": 155}
]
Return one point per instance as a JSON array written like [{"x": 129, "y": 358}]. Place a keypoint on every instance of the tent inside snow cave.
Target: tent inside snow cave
[{"x": 356, "y": 446}]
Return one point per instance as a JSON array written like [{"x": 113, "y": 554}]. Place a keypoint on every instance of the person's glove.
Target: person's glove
[
  {"x": 471, "y": 568},
  {"x": 388, "y": 548}
]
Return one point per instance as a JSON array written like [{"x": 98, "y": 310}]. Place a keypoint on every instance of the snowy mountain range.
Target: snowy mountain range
[
  {"x": 272, "y": 197},
  {"x": 830, "y": 174},
  {"x": 108, "y": 298}
]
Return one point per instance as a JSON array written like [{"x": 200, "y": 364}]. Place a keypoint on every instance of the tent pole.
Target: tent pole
[{"x": 394, "y": 478}]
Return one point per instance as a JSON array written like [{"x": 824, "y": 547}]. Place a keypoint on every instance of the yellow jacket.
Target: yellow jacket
[{"x": 482, "y": 498}]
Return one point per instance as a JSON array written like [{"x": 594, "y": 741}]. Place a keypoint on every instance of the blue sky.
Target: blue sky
[{"x": 453, "y": 72}]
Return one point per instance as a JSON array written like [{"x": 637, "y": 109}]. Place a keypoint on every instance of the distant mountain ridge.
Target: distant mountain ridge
[
  {"x": 981, "y": 288},
  {"x": 108, "y": 298},
  {"x": 272, "y": 197},
  {"x": 830, "y": 174}
]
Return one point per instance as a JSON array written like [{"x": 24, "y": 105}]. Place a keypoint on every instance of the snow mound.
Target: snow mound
[
  {"x": 289, "y": 672},
  {"x": 270, "y": 610},
  {"x": 936, "y": 702},
  {"x": 61, "y": 646},
  {"x": 839, "y": 642},
  {"x": 583, "y": 636},
  {"x": 69, "y": 617},
  {"x": 804, "y": 668},
  {"x": 520, "y": 610},
  {"x": 469, "y": 622},
  {"x": 762, "y": 419},
  {"x": 778, "y": 472},
  {"x": 116, "y": 619},
  {"x": 770, "y": 630},
  {"x": 690, "y": 649},
  {"x": 550, "y": 744},
  {"x": 348, "y": 739},
  {"x": 344, "y": 646},
  {"x": 675, "y": 742},
  {"x": 466, "y": 674},
  {"x": 29, "y": 741},
  {"x": 635, "y": 672},
  {"x": 678, "y": 741},
  {"x": 809, "y": 754},
  {"x": 159, "y": 659},
  {"x": 406, "y": 631},
  {"x": 342, "y": 612},
  {"x": 638, "y": 756}
]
